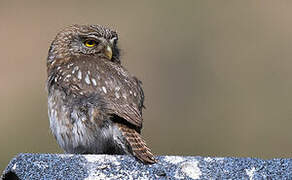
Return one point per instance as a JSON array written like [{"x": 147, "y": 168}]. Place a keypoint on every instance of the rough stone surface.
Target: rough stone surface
[{"x": 60, "y": 166}]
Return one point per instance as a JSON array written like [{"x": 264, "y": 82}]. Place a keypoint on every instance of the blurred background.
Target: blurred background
[{"x": 217, "y": 75}]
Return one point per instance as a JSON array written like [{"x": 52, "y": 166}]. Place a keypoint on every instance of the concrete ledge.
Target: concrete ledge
[{"x": 60, "y": 166}]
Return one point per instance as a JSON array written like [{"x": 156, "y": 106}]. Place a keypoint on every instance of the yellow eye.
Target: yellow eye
[{"x": 90, "y": 43}]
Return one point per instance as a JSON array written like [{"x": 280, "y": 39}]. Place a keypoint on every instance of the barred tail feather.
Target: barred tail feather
[{"x": 138, "y": 145}]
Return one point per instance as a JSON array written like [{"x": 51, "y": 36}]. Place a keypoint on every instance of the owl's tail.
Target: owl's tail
[{"x": 138, "y": 145}]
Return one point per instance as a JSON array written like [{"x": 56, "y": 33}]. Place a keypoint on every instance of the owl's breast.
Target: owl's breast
[{"x": 77, "y": 124}]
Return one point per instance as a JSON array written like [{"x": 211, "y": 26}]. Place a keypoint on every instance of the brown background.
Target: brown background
[{"x": 217, "y": 75}]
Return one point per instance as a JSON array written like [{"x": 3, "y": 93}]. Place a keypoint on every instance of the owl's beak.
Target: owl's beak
[{"x": 108, "y": 52}]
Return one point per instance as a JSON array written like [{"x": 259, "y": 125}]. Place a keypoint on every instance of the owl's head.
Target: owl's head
[{"x": 88, "y": 40}]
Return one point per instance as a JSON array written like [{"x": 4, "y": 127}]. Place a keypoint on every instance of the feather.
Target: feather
[{"x": 137, "y": 144}]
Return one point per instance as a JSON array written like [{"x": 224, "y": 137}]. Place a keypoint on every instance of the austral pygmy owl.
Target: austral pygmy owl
[{"x": 95, "y": 104}]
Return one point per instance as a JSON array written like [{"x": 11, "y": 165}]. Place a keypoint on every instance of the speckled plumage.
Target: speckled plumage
[{"x": 95, "y": 104}]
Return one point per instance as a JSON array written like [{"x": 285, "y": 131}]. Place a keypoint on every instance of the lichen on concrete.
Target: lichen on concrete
[{"x": 66, "y": 166}]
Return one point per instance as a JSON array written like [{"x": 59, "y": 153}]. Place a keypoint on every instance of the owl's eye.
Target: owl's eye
[{"x": 90, "y": 43}]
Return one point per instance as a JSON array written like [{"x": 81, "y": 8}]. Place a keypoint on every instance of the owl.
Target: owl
[{"x": 94, "y": 104}]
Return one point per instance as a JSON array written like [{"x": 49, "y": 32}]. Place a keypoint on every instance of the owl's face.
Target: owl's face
[{"x": 77, "y": 40}]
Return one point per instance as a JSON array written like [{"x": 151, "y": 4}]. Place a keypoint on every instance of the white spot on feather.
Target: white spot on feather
[
  {"x": 117, "y": 88},
  {"x": 69, "y": 65},
  {"x": 75, "y": 69},
  {"x": 117, "y": 95},
  {"x": 104, "y": 89},
  {"x": 93, "y": 81},
  {"x": 87, "y": 80},
  {"x": 68, "y": 76},
  {"x": 79, "y": 75}
]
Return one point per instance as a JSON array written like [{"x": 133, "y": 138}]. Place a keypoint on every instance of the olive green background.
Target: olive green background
[{"x": 217, "y": 75}]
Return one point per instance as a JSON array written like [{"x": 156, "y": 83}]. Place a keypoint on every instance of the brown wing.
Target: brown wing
[
  {"x": 137, "y": 144},
  {"x": 124, "y": 94},
  {"x": 128, "y": 113},
  {"x": 121, "y": 92},
  {"x": 91, "y": 76}
]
